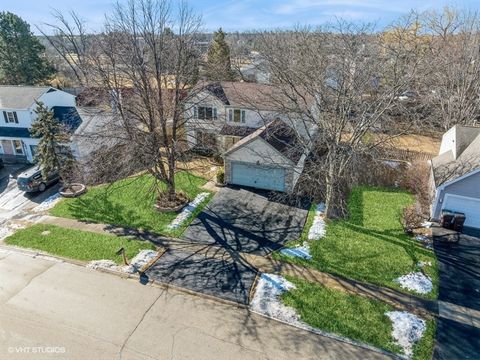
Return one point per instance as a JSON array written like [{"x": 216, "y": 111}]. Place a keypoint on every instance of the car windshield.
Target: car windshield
[{"x": 22, "y": 181}]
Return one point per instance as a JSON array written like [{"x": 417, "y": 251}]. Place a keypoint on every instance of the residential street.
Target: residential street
[{"x": 76, "y": 313}]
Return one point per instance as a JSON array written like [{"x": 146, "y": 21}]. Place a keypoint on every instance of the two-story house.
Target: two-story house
[
  {"x": 221, "y": 113},
  {"x": 17, "y": 112},
  {"x": 262, "y": 146}
]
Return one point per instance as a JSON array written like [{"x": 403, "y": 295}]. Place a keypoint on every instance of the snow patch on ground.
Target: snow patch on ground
[
  {"x": 48, "y": 203},
  {"x": 424, "y": 263},
  {"x": 267, "y": 301},
  {"x": 136, "y": 264},
  {"x": 424, "y": 240},
  {"x": 426, "y": 224},
  {"x": 139, "y": 261},
  {"x": 407, "y": 329},
  {"x": 187, "y": 211},
  {"x": 298, "y": 251},
  {"x": 317, "y": 230},
  {"x": 9, "y": 229},
  {"x": 415, "y": 281},
  {"x": 103, "y": 264}
]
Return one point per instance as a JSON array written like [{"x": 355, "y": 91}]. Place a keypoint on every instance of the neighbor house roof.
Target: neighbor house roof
[
  {"x": 68, "y": 116},
  {"x": 21, "y": 97},
  {"x": 446, "y": 168},
  {"x": 278, "y": 135}
]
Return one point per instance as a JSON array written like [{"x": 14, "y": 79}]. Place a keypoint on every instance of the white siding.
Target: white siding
[
  {"x": 25, "y": 118},
  {"x": 57, "y": 98},
  {"x": 448, "y": 142}
]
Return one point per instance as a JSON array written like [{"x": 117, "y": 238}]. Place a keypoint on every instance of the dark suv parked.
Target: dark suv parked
[{"x": 32, "y": 180}]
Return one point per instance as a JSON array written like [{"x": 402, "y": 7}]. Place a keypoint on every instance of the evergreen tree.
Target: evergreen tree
[
  {"x": 218, "y": 58},
  {"x": 53, "y": 150},
  {"x": 22, "y": 60}
]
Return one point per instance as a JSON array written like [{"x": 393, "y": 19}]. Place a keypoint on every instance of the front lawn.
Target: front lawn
[
  {"x": 353, "y": 316},
  {"x": 370, "y": 245},
  {"x": 76, "y": 244},
  {"x": 129, "y": 203}
]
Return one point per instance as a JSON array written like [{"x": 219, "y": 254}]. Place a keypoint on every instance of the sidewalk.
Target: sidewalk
[{"x": 422, "y": 307}]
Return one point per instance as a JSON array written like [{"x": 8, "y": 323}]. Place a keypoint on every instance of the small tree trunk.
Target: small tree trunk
[
  {"x": 330, "y": 197},
  {"x": 171, "y": 191}
]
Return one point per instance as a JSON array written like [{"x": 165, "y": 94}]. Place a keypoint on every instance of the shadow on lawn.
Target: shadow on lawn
[{"x": 100, "y": 209}]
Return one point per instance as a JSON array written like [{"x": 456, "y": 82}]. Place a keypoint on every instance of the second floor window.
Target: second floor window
[
  {"x": 236, "y": 115},
  {"x": 205, "y": 112},
  {"x": 10, "y": 117}
]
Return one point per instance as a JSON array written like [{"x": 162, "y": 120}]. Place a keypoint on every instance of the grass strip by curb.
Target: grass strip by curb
[{"x": 76, "y": 244}]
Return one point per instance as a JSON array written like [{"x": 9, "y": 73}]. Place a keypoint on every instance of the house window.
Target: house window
[
  {"x": 10, "y": 117},
  {"x": 236, "y": 115},
  {"x": 205, "y": 112},
  {"x": 17, "y": 147}
]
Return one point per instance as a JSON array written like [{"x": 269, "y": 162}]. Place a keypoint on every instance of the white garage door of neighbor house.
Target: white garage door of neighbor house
[
  {"x": 258, "y": 176},
  {"x": 467, "y": 205}
]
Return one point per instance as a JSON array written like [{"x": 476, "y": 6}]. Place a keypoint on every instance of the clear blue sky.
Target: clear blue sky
[{"x": 242, "y": 15}]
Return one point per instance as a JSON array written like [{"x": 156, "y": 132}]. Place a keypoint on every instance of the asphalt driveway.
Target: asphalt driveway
[
  {"x": 247, "y": 221},
  {"x": 458, "y": 327},
  {"x": 221, "y": 277}
]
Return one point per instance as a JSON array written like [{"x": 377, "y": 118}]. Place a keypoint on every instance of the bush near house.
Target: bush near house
[
  {"x": 76, "y": 244},
  {"x": 370, "y": 245},
  {"x": 129, "y": 203}
]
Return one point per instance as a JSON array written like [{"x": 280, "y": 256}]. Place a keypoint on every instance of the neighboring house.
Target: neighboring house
[
  {"x": 96, "y": 131},
  {"x": 255, "y": 70},
  {"x": 262, "y": 148},
  {"x": 455, "y": 176},
  {"x": 17, "y": 105}
]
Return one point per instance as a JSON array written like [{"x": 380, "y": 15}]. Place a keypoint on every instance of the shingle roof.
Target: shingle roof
[
  {"x": 14, "y": 132},
  {"x": 446, "y": 168},
  {"x": 68, "y": 116},
  {"x": 245, "y": 95},
  {"x": 236, "y": 130},
  {"x": 278, "y": 135},
  {"x": 20, "y": 97},
  {"x": 284, "y": 139}
]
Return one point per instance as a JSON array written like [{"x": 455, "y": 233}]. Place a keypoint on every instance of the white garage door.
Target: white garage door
[
  {"x": 258, "y": 176},
  {"x": 469, "y": 206}
]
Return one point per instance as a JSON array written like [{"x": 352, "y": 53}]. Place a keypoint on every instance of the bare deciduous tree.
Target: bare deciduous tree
[
  {"x": 451, "y": 69},
  {"x": 143, "y": 63},
  {"x": 340, "y": 79}
]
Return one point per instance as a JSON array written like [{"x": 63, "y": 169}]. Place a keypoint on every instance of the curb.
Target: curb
[
  {"x": 335, "y": 337},
  {"x": 167, "y": 286}
]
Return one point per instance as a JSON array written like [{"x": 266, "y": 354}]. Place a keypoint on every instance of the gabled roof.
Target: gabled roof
[
  {"x": 68, "y": 116},
  {"x": 446, "y": 168},
  {"x": 21, "y": 97},
  {"x": 284, "y": 139},
  {"x": 279, "y": 136}
]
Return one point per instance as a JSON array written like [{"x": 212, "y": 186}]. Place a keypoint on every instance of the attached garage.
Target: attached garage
[
  {"x": 268, "y": 178},
  {"x": 467, "y": 205},
  {"x": 268, "y": 159}
]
